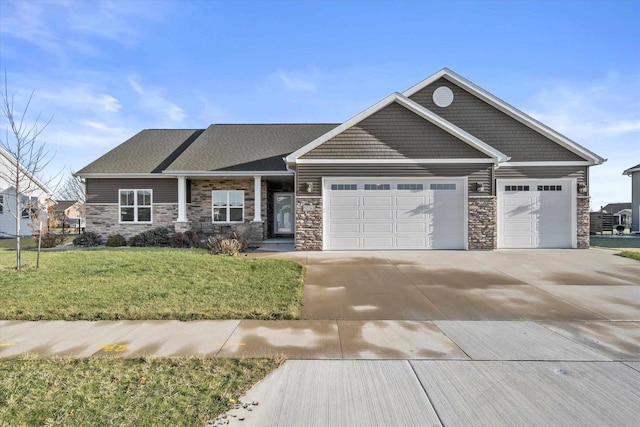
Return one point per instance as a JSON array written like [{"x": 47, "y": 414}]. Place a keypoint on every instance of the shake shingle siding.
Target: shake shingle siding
[
  {"x": 492, "y": 126},
  {"x": 106, "y": 190},
  {"x": 477, "y": 173},
  {"x": 394, "y": 133}
]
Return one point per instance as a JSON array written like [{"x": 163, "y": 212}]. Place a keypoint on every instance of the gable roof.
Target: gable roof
[
  {"x": 632, "y": 169},
  {"x": 149, "y": 151},
  {"x": 63, "y": 205},
  {"x": 616, "y": 207},
  {"x": 245, "y": 147},
  {"x": 416, "y": 108},
  {"x": 12, "y": 161},
  {"x": 509, "y": 110}
]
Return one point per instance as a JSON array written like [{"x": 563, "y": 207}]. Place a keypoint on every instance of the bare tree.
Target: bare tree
[
  {"x": 72, "y": 189},
  {"x": 27, "y": 159}
]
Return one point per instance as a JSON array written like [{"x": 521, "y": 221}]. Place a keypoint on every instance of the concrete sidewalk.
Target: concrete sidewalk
[{"x": 327, "y": 339}]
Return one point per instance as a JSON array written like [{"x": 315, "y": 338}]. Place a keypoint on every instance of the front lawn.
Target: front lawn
[
  {"x": 112, "y": 284},
  {"x": 133, "y": 392},
  {"x": 630, "y": 254}
]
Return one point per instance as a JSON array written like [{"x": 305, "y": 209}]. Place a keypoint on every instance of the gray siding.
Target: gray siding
[
  {"x": 492, "y": 126},
  {"x": 394, "y": 133},
  {"x": 477, "y": 173},
  {"x": 106, "y": 190},
  {"x": 635, "y": 201}
]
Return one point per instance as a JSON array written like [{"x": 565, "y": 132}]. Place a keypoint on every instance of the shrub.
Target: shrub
[
  {"x": 179, "y": 240},
  {"x": 87, "y": 239},
  {"x": 243, "y": 236},
  {"x": 227, "y": 245},
  {"x": 154, "y": 237},
  {"x": 116, "y": 240},
  {"x": 188, "y": 239},
  {"x": 49, "y": 240}
]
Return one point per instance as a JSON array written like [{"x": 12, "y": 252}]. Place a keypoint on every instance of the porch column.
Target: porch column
[
  {"x": 182, "y": 199},
  {"x": 257, "y": 192}
]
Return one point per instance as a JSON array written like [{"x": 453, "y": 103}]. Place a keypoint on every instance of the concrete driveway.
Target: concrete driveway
[{"x": 539, "y": 285}]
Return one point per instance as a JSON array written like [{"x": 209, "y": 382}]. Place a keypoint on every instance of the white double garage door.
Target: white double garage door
[{"x": 396, "y": 213}]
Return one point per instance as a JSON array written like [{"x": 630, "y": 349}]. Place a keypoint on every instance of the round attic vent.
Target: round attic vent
[{"x": 442, "y": 96}]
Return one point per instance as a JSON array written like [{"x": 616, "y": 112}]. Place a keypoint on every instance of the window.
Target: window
[
  {"x": 516, "y": 188},
  {"x": 344, "y": 187},
  {"x": 377, "y": 187},
  {"x": 135, "y": 205},
  {"x": 1, "y": 204},
  {"x": 410, "y": 187},
  {"x": 228, "y": 206},
  {"x": 440, "y": 186},
  {"x": 549, "y": 187}
]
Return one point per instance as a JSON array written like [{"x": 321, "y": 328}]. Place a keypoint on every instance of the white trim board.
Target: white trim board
[{"x": 390, "y": 161}]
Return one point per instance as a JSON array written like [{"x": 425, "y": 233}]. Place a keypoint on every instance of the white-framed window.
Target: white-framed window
[
  {"x": 135, "y": 205},
  {"x": 228, "y": 205},
  {"x": 440, "y": 186},
  {"x": 344, "y": 187}
]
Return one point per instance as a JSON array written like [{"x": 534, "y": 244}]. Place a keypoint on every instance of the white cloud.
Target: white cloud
[
  {"x": 295, "y": 82},
  {"x": 152, "y": 101},
  {"x": 603, "y": 116}
]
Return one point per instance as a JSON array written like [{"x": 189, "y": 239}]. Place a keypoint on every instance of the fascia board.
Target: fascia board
[{"x": 509, "y": 110}]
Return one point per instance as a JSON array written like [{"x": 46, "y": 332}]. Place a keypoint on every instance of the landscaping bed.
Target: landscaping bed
[
  {"x": 140, "y": 392},
  {"x": 147, "y": 283}
]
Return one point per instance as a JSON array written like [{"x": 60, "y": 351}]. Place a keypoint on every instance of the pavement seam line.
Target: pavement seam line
[
  {"x": 451, "y": 339},
  {"x": 435, "y": 411},
  {"x": 629, "y": 366},
  {"x": 539, "y": 323},
  {"x": 339, "y": 340},
  {"x": 227, "y": 340}
]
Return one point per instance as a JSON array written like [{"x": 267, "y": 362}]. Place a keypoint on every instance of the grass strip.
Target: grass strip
[
  {"x": 140, "y": 392},
  {"x": 144, "y": 284}
]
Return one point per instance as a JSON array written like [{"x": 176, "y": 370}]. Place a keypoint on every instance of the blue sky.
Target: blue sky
[{"x": 106, "y": 70}]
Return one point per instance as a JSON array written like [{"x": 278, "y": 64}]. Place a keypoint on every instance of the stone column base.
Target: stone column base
[
  {"x": 584, "y": 222},
  {"x": 483, "y": 223}
]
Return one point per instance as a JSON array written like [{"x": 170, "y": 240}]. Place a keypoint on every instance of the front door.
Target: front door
[{"x": 284, "y": 213}]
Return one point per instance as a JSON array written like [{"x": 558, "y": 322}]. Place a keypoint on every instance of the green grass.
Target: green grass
[
  {"x": 630, "y": 254},
  {"x": 28, "y": 242},
  {"x": 140, "y": 392},
  {"x": 112, "y": 284}
]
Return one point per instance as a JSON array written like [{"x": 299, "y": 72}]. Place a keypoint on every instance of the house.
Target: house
[
  {"x": 33, "y": 195},
  {"x": 634, "y": 173},
  {"x": 620, "y": 212},
  {"x": 66, "y": 214},
  {"x": 442, "y": 165}
]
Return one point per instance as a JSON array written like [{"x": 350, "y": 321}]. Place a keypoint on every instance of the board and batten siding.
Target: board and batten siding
[
  {"x": 492, "y": 126},
  {"x": 309, "y": 173},
  {"x": 105, "y": 190},
  {"x": 394, "y": 133}
]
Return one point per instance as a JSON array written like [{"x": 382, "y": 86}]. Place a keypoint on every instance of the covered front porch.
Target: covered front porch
[{"x": 214, "y": 204}]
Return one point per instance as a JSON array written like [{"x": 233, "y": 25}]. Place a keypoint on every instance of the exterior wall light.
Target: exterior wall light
[
  {"x": 479, "y": 187},
  {"x": 309, "y": 186},
  {"x": 582, "y": 188}
]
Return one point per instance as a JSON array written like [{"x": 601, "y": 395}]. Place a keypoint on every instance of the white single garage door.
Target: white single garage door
[
  {"x": 536, "y": 213},
  {"x": 375, "y": 213}
]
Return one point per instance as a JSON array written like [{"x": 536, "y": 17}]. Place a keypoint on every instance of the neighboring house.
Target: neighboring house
[
  {"x": 33, "y": 193},
  {"x": 443, "y": 165},
  {"x": 621, "y": 213},
  {"x": 634, "y": 173},
  {"x": 66, "y": 214}
]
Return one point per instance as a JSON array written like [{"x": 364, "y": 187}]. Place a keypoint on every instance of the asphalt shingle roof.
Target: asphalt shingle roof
[
  {"x": 146, "y": 152},
  {"x": 616, "y": 207},
  {"x": 247, "y": 147}
]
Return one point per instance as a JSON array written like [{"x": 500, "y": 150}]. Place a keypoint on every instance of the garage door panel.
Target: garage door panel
[
  {"x": 414, "y": 215},
  {"x": 344, "y": 201},
  {"x": 377, "y": 214},
  {"x": 535, "y": 218},
  {"x": 379, "y": 227}
]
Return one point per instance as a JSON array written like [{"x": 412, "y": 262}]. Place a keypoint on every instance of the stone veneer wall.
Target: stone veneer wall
[
  {"x": 103, "y": 219},
  {"x": 199, "y": 211},
  {"x": 483, "y": 223},
  {"x": 308, "y": 223},
  {"x": 583, "y": 222}
]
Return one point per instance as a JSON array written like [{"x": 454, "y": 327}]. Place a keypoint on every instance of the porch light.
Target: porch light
[
  {"x": 479, "y": 187},
  {"x": 582, "y": 188},
  {"x": 309, "y": 187}
]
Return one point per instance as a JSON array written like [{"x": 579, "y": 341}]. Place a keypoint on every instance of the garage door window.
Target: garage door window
[
  {"x": 517, "y": 188},
  {"x": 440, "y": 186},
  {"x": 377, "y": 187},
  {"x": 549, "y": 187},
  {"x": 344, "y": 187},
  {"x": 414, "y": 187}
]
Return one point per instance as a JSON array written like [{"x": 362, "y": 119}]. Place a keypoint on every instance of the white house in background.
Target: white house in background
[
  {"x": 634, "y": 173},
  {"x": 33, "y": 192}
]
